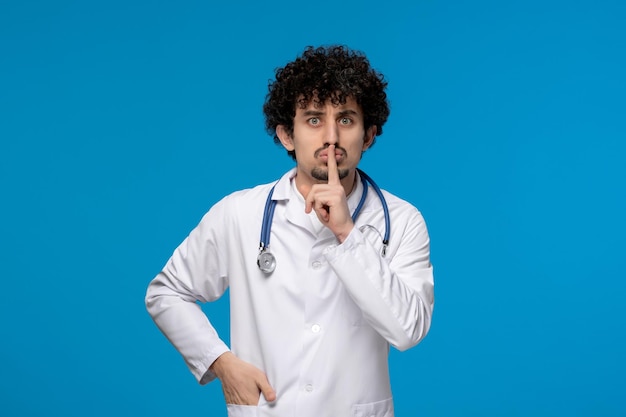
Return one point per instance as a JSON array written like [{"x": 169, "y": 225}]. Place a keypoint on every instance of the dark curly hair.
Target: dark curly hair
[{"x": 333, "y": 73}]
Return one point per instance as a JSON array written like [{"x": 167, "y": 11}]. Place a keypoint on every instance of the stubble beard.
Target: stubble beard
[{"x": 322, "y": 174}]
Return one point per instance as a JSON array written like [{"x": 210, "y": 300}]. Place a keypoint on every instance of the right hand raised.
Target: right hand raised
[{"x": 242, "y": 382}]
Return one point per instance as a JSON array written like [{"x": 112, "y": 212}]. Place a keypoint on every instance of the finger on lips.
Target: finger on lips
[{"x": 333, "y": 172}]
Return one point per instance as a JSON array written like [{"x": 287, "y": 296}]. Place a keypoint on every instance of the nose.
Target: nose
[{"x": 331, "y": 135}]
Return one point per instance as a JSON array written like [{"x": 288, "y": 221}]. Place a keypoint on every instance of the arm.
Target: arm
[
  {"x": 197, "y": 272},
  {"x": 193, "y": 273},
  {"x": 396, "y": 296}
]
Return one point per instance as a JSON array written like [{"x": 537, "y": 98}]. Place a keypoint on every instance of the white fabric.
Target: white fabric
[{"x": 321, "y": 324}]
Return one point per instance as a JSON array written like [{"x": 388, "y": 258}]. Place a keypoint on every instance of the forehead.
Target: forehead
[{"x": 315, "y": 105}]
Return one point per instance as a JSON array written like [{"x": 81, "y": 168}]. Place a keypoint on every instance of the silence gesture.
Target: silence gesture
[{"x": 329, "y": 201}]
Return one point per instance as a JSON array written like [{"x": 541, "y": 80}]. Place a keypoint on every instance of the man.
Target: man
[{"x": 310, "y": 334}]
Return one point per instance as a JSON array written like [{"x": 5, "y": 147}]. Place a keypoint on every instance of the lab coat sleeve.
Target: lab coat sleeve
[
  {"x": 194, "y": 273},
  {"x": 395, "y": 293}
]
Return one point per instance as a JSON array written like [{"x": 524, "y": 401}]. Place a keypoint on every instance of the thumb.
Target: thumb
[{"x": 266, "y": 389}]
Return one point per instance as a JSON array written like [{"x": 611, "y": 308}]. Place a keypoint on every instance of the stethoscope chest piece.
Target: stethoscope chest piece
[{"x": 266, "y": 262}]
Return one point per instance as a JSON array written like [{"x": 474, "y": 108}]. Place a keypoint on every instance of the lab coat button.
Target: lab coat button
[
  {"x": 316, "y": 328},
  {"x": 317, "y": 265},
  {"x": 309, "y": 388}
]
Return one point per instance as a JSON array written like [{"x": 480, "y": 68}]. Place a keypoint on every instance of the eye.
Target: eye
[
  {"x": 314, "y": 121},
  {"x": 345, "y": 121}
]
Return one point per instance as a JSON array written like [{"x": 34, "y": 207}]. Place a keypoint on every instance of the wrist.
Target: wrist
[
  {"x": 218, "y": 365},
  {"x": 343, "y": 235}
]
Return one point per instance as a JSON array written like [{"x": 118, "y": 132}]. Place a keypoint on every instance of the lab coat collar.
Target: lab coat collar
[{"x": 282, "y": 189}]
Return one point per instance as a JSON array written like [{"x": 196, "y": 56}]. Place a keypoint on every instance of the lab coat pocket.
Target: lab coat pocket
[
  {"x": 242, "y": 410},
  {"x": 382, "y": 408}
]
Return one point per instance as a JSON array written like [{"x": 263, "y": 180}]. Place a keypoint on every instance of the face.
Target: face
[{"x": 317, "y": 127}]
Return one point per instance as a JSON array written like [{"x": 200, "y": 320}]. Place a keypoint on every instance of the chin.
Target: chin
[{"x": 321, "y": 174}]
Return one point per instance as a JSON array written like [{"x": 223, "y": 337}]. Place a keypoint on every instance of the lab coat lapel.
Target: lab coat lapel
[
  {"x": 294, "y": 209},
  {"x": 295, "y": 214}
]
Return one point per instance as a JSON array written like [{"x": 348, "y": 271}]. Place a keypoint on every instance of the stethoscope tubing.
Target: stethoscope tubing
[
  {"x": 268, "y": 216},
  {"x": 265, "y": 257},
  {"x": 382, "y": 201}
]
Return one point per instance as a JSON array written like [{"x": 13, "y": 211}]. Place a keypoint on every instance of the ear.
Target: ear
[
  {"x": 369, "y": 137},
  {"x": 285, "y": 138}
]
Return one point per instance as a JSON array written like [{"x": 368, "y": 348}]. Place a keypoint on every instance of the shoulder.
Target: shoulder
[
  {"x": 260, "y": 192},
  {"x": 397, "y": 205},
  {"x": 408, "y": 225},
  {"x": 234, "y": 209},
  {"x": 248, "y": 195},
  {"x": 405, "y": 217},
  {"x": 243, "y": 202},
  {"x": 246, "y": 199}
]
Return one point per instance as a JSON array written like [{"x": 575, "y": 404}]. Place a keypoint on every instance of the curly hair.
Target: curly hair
[{"x": 333, "y": 73}]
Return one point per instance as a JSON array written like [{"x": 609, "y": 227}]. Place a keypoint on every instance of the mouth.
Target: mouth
[{"x": 339, "y": 156}]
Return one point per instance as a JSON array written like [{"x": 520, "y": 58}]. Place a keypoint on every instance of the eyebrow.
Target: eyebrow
[
  {"x": 312, "y": 113},
  {"x": 348, "y": 112},
  {"x": 342, "y": 113}
]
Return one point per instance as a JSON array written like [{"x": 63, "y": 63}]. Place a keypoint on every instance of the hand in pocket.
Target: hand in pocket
[{"x": 242, "y": 382}]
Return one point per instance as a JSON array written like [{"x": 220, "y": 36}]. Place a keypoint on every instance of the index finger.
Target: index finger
[{"x": 333, "y": 171}]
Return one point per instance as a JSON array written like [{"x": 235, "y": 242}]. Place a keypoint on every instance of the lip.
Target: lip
[{"x": 324, "y": 156}]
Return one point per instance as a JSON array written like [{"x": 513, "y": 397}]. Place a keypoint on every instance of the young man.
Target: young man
[{"x": 314, "y": 313}]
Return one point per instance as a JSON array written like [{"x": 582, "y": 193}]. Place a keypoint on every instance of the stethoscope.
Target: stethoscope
[{"x": 267, "y": 262}]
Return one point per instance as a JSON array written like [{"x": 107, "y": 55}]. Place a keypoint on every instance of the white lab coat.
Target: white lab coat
[{"x": 321, "y": 324}]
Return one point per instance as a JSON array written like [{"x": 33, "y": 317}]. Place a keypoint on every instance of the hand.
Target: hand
[
  {"x": 329, "y": 201},
  {"x": 242, "y": 382}
]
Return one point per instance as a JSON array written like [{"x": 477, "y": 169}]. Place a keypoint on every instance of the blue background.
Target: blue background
[{"x": 121, "y": 123}]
